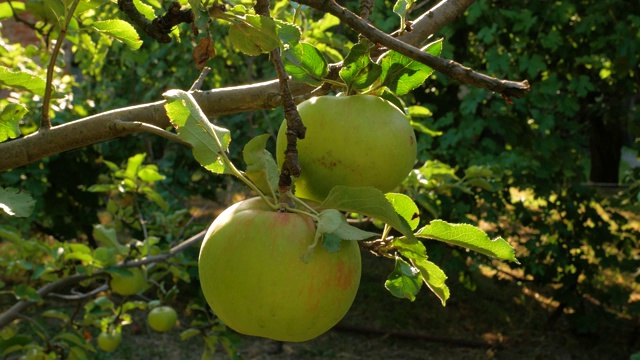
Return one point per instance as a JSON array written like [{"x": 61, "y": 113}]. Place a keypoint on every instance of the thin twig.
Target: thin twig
[
  {"x": 449, "y": 68},
  {"x": 17, "y": 18},
  {"x": 45, "y": 121},
  {"x": 198, "y": 83},
  {"x": 80, "y": 296},
  {"x": 140, "y": 126},
  {"x": 366, "y": 8}
]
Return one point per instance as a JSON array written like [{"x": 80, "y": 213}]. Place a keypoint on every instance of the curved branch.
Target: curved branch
[
  {"x": 108, "y": 125},
  {"x": 430, "y": 22},
  {"x": 449, "y": 68},
  {"x": 260, "y": 96}
]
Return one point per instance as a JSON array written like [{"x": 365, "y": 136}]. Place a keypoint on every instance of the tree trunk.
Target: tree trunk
[{"x": 606, "y": 140}]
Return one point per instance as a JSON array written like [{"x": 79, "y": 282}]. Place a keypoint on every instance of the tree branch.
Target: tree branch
[
  {"x": 45, "y": 122},
  {"x": 449, "y": 68},
  {"x": 430, "y": 22},
  {"x": 108, "y": 125},
  {"x": 260, "y": 96},
  {"x": 160, "y": 27}
]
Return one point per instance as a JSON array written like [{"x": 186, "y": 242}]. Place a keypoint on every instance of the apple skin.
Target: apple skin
[
  {"x": 109, "y": 341},
  {"x": 254, "y": 279},
  {"x": 162, "y": 318},
  {"x": 128, "y": 285},
  {"x": 358, "y": 140}
]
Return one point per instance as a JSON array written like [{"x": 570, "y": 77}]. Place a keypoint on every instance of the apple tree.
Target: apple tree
[{"x": 329, "y": 61}]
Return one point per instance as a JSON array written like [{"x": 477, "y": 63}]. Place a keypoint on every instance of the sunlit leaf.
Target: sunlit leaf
[
  {"x": 121, "y": 30},
  {"x": 9, "y": 119},
  {"x": 367, "y": 201},
  {"x": 470, "y": 237},
  {"x": 402, "y": 74},
  {"x": 406, "y": 208},
  {"x": 14, "y": 202},
  {"x": 133, "y": 164},
  {"x": 149, "y": 173},
  {"x": 254, "y": 34},
  {"x": 262, "y": 169},
  {"x": 208, "y": 140},
  {"x": 433, "y": 277},
  {"x": 22, "y": 80},
  {"x": 6, "y": 10},
  {"x": 358, "y": 71},
  {"x": 305, "y": 63}
]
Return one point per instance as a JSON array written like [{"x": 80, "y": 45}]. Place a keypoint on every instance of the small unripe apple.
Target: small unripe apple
[
  {"x": 162, "y": 318},
  {"x": 128, "y": 285},
  {"x": 109, "y": 341}
]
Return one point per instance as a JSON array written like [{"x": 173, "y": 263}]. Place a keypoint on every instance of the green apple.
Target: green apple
[
  {"x": 162, "y": 318},
  {"x": 128, "y": 285},
  {"x": 359, "y": 140},
  {"x": 109, "y": 341},
  {"x": 254, "y": 278}
]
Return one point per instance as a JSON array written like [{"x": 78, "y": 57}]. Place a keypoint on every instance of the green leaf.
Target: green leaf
[
  {"x": 401, "y": 8},
  {"x": 433, "y": 277},
  {"x": 189, "y": 333},
  {"x": 107, "y": 237},
  {"x": 56, "y": 314},
  {"x": 16, "y": 203},
  {"x": 367, "y": 201},
  {"x": 254, "y": 34},
  {"x": 24, "y": 292},
  {"x": 404, "y": 281},
  {"x": 288, "y": 33},
  {"x": 121, "y": 30},
  {"x": 133, "y": 164},
  {"x": 329, "y": 221},
  {"x": 305, "y": 63},
  {"x": 22, "y": 80},
  {"x": 145, "y": 10},
  {"x": 358, "y": 71},
  {"x": 104, "y": 257},
  {"x": 406, "y": 208},
  {"x": 350, "y": 232},
  {"x": 9, "y": 119},
  {"x": 156, "y": 198},
  {"x": 208, "y": 140},
  {"x": 419, "y": 111},
  {"x": 331, "y": 242},
  {"x": 262, "y": 169},
  {"x": 13, "y": 344},
  {"x": 470, "y": 237},
  {"x": 10, "y": 234},
  {"x": 425, "y": 130},
  {"x": 402, "y": 74},
  {"x": 6, "y": 12},
  {"x": 149, "y": 173}
]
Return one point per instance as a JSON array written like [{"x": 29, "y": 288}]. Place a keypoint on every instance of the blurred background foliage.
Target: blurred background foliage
[{"x": 545, "y": 171}]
